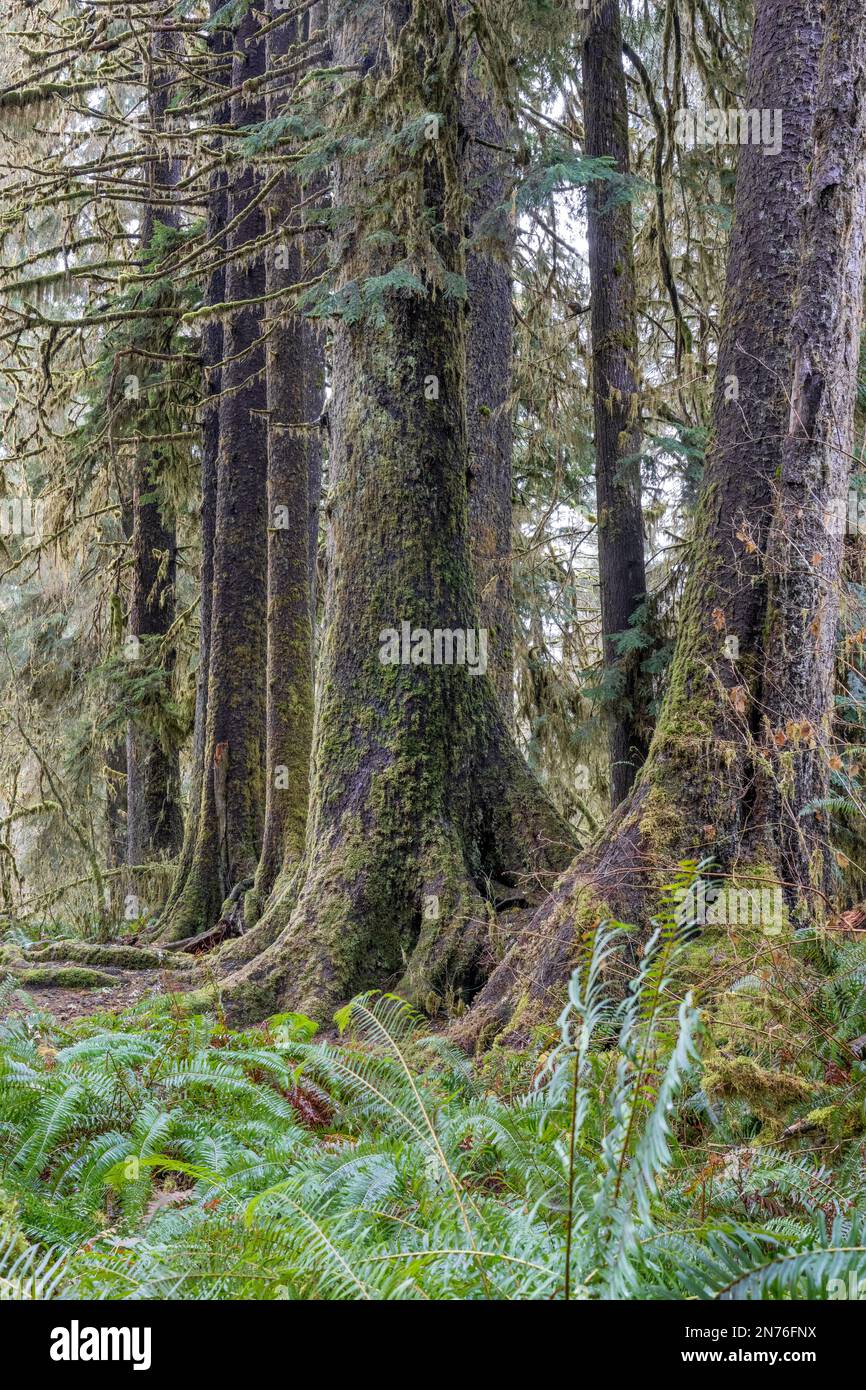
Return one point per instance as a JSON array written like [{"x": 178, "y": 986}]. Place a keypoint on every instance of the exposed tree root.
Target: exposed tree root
[
  {"x": 120, "y": 957},
  {"x": 239, "y": 949},
  {"x": 379, "y": 907},
  {"x": 65, "y": 977},
  {"x": 526, "y": 990},
  {"x": 192, "y": 910},
  {"x": 207, "y": 940},
  {"x": 618, "y": 879}
]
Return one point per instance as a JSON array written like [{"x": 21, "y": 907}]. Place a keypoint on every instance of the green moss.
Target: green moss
[
  {"x": 844, "y": 1121},
  {"x": 12, "y": 1241},
  {"x": 769, "y": 1094},
  {"x": 124, "y": 957},
  {"x": 197, "y": 1001},
  {"x": 66, "y": 977}
]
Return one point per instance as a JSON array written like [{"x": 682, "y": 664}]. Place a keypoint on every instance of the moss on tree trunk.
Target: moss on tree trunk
[
  {"x": 295, "y": 398},
  {"x": 621, "y": 568},
  {"x": 228, "y": 816},
  {"x": 153, "y": 816},
  {"x": 219, "y": 45},
  {"x": 421, "y": 807},
  {"x": 694, "y": 797},
  {"x": 488, "y": 368},
  {"x": 806, "y": 542}
]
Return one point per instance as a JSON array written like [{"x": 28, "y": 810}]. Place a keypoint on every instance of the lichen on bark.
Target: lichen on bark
[
  {"x": 422, "y": 811},
  {"x": 228, "y": 817},
  {"x": 694, "y": 796}
]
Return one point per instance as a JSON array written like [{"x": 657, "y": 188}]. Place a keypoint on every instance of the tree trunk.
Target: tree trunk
[
  {"x": 806, "y": 543},
  {"x": 621, "y": 569},
  {"x": 294, "y": 391},
  {"x": 154, "y": 824},
  {"x": 422, "y": 813},
  {"x": 488, "y": 368},
  {"x": 694, "y": 795},
  {"x": 114, "y": 781},
  {"x": 220, "y": 48},
  {"x": 211, "y": 357},
  {"x": 229, "y": 812}
]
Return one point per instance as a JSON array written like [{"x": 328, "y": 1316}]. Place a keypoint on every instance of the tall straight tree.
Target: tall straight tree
[
  {"x": 153, "y": 817},
  {"x": 220, "y": 48},
  {"x": 806, "y": 541},
  {"x": 695, "y": 793},
  {"x": 229, "y": 813},
  {"x": 621, "y": 569},
  {"x": 295, "y": 377},
  {"x": 488, "y": 366},
  {"x": 422, "y": 812}
]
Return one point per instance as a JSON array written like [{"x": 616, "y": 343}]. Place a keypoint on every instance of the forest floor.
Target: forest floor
[
  {"x": 70, "y": 978},
  {"x": 65, "y": 1003},
  {"x": 154, "y": 1152}
]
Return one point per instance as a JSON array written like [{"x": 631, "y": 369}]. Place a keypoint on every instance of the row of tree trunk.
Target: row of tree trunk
[{"x": 372, "y": 836}]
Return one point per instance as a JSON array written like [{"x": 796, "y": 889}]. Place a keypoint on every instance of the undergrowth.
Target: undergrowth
[{"x": 701, "y": 1138}]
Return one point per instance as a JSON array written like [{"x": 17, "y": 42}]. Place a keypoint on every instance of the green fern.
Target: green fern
[{"x": 152, "y": 1156}]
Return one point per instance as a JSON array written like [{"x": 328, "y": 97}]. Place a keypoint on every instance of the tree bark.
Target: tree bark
[
  {"x": 694, "y": 796},
  {"x": 806, "y": 543},
  {"x": 616, "y": 403},
  {"x": 422, "y": 811},
  {"x": 295, "y": 376},
  {"x": 220, "y": 48},
  {"x": 229, "y": 813},
  {"x": 488, "y": 368},
  {"x": 154, "y": 822},
  {"x": 114, "y": 781}
]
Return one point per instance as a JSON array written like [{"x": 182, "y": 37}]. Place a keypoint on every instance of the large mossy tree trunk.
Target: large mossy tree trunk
[
  {"x": 805, "y": 548},
  {"x": 229, "y": 813},
  {"x": 695, "y": 794},
  {"x": 220, "y": 49},
  {"x": 295, "y": 377},
  {"x": 153, "y": 817},
  {"x": 621, "y": 568},
  {"x": 422, "y": 812}
]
